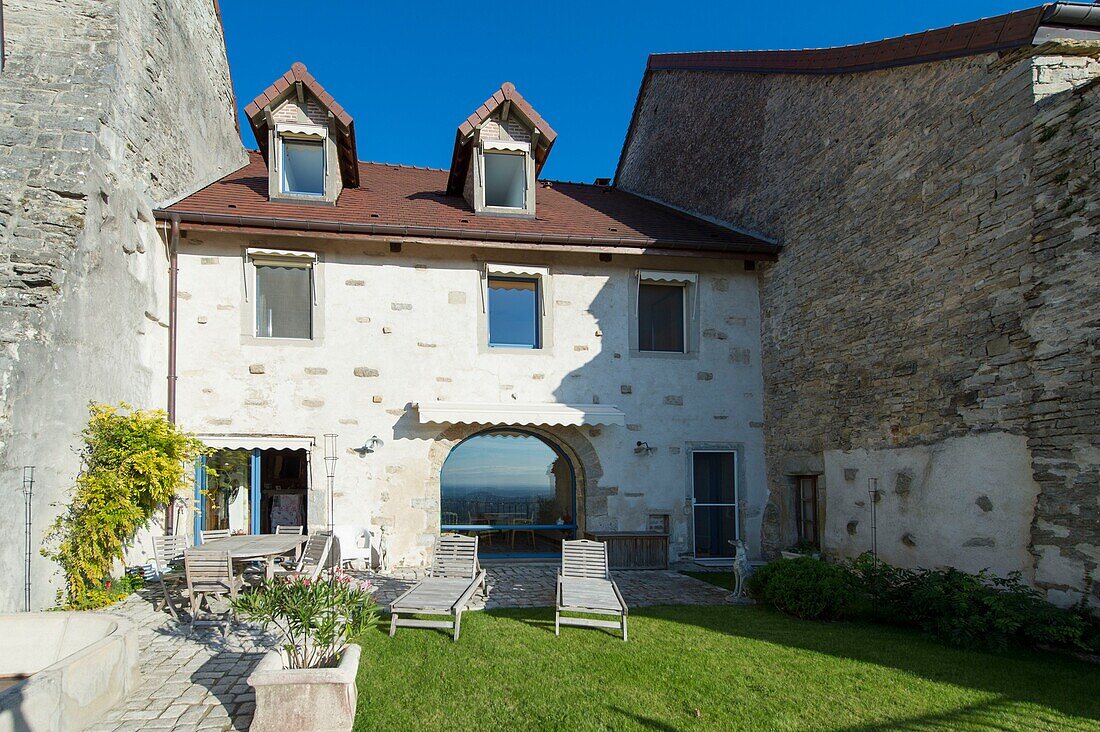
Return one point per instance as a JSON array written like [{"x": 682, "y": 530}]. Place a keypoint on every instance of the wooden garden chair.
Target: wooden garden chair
[
  {"x": 164, "y": 576},
  {"x": 585, "y": 586},
  {"x": 454, "y": 577},
  {"x": 284, "y": 529},
  {"x": 214, "y": 534},
  {"x": 312, "y": 561},
  {"x": 210, "y": 575}
]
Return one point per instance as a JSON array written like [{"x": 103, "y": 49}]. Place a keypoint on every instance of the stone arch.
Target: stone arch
[{"x": 570, "y": 440}]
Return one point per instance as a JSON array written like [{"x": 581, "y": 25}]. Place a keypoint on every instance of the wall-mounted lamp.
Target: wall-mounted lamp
[
  {"x": 643, "y": 448},
  {"x": 371, "y": 445}
]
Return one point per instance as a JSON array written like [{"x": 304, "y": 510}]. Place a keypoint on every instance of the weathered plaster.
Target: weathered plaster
[{"x": 377, "y": 359}]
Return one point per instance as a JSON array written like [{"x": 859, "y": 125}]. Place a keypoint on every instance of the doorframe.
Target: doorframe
[
  {"x": 735, "y": 450},
  {"x": 201, "y": 485},
  {"x": 254, "y": 492}
]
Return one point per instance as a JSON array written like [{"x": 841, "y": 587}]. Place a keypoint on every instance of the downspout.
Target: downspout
[{"x": 173, "y": 285}]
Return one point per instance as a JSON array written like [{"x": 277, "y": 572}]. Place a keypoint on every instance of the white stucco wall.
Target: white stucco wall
[
  {"x": 413, "y": 317},
  {"x": 965, "y": 501}
]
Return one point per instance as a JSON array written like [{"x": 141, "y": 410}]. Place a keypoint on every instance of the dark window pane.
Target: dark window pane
[
  {"x": 714, "y": 477},
  {"x": 715, "y": 528},
  {"x": 513, "y": 312},
  {"x": 284, "y": 302},
  {"x": 506, "y": 478},
  {"x": 660, "y": 318},
  {"x": 505, "y": 180},
  {"x": 304, "y": 167}
]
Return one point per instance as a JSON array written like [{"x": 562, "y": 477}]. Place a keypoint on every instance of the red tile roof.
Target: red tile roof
[
  {"x": 507, "y": 93},
  {"x": 403, "y": 201},
  {"x": 1001, "y": 32},
  {"x": 345, "y": 125}
]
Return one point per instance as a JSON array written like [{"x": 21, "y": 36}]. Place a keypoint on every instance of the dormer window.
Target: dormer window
[
  {"x": 301, "y": 151},
  {"x": 499, "y": 151},
  {"x": 306, "y": 138},
  {"x": 505, "y": 178}
]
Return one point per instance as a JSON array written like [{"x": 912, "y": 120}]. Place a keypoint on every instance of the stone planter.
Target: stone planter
[
  {"x": 797, "y": 555},
  {"x": 316, "y": 699}
]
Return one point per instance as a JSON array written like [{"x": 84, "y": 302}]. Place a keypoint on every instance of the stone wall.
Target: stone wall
[
  {"x": 937, "y": 286},
  {"x": 106, "y": 108}
]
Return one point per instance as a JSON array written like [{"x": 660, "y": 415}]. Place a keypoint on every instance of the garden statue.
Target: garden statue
[
  {"x": 741, "y": 570},
  {"x": 383, "y": 550}
]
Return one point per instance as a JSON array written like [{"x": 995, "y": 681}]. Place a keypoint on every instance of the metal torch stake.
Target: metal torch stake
[
  {"x": 28, "y": 492},
  {"x": 330, "y": 473},
  {"x": 872, "y": 491}
]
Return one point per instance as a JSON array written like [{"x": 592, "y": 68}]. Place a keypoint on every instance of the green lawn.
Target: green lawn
[{"x": 720, "y": 668}]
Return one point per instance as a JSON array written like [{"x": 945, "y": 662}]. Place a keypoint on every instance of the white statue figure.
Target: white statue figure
[
  {"x": 383, "y": 550},
  {"x": 741, "y": 570}
]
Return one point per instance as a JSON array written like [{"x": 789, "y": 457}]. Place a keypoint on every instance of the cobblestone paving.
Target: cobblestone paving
[{"x": 199, "y": 682}]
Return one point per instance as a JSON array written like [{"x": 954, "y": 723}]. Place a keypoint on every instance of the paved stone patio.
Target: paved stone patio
[{"x": 199, "y": 682}]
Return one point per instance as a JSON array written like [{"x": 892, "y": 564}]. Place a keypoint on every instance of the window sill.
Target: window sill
[
  {"x": 666, "y": 355},
  {"x": 515, "y": 350},
  {"x": 506, "y": 213},
  {"x": 253, "y": 340},
  {"x": 310, "y": 198}
]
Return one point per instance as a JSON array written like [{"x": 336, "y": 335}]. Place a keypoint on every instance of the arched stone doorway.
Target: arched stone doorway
[{"x": 528, "y": 518}]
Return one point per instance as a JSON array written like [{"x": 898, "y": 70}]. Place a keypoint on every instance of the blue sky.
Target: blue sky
[{"x": 410, "y": 72}]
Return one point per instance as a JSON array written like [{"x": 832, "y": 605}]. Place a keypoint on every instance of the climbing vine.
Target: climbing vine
[{"x": 132, "y": 463}]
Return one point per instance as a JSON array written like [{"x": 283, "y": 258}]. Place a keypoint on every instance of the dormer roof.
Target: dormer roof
[
  {"x": 298, "y": 81},
  {"x": 512, "y": 102}
]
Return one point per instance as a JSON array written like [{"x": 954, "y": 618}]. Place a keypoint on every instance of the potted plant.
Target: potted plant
[
  {"x": 309, "y": 683},
  {"x": 802, "y": 549}
]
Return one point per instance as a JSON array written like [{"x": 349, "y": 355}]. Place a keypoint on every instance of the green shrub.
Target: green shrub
[
  {"x": 981, "y": 610},
  {"x": 970, "y": 610},
  {"x": 107, "y": 592},
  {"x": 132, "y": 462},
  {"x": 805, "y": 588}
]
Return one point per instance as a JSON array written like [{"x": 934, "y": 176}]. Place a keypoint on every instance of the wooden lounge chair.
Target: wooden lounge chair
[
  {"x": 454, "y": 577},
  {"x": 585, "y": 586}
]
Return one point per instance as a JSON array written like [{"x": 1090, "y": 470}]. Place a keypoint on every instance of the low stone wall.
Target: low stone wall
[{"x": 80, "y": 665}]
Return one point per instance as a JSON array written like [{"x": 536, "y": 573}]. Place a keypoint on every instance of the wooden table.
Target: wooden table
[{"x": 256, "y": 548}]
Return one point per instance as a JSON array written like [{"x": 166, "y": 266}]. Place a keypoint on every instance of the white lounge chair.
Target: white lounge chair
[
  {"x": 454, "y": 577},
  {"x": 585, "y": 586},
  {"x": 354, "y": 543}
]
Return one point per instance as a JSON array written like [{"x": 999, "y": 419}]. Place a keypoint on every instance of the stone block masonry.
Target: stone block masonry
[
  {"x": 92, "y": 136},
  {"x": 934, "y": 312}
]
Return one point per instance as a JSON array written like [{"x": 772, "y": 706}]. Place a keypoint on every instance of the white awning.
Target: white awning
[
  {"x": 258, "y": 442},
  {"x": 650, "y": 275},
  {"x": 283, "y": 257},
  {"x": 520, "y": 270},
  {"x": 289, "y": 128},
  {"x": 518, "y": 414}
]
